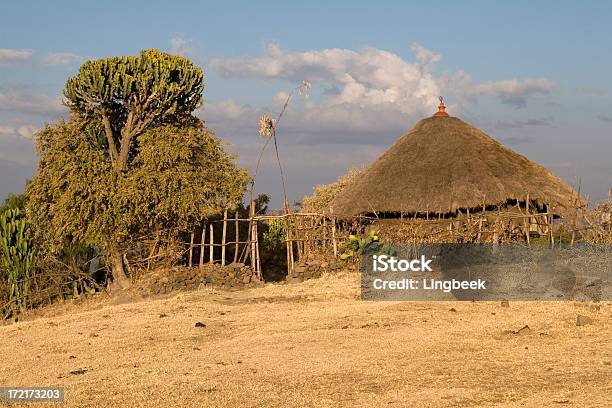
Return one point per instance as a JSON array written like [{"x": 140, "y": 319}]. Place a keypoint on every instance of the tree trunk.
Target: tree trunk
[
  {"x": 119, "y": 276},
  {"x": 112, "y": 147},
  {"x": 126, "y": 138}
]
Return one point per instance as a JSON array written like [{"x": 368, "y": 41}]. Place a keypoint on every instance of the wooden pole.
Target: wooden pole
[
  {"x": 325, "y": 233},
  {"x": 575, "y": 215},
  {"x": 527, "y": 221},
  {"x": 300, "y": 226},
  {"x": 202, "y": 245},
  {"x": 288, "y": 237},
  {"x": 211, "y": 248},
  {"x": 237, "y": 233},
  {"x": 495, "y": 229},
  {"x": 334, "y": 242},
  {"x": 223, "y": 237},
  {"x": 191, "y": 249},
  {"x": 549, "y": 221},
  {"x": 252, "y": 237},
  {"x": 258, "y": 264}
]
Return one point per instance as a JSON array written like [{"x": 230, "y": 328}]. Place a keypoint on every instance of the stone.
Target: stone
[
  {"x": 505, "y": 303},
  {"x": 582, "y": 320},
  {"x": 200, "y": 324},
  {"x": 299, "y": 269},
  {"x": 246, "y": 280},
  {"x": 524, "y": 330}
]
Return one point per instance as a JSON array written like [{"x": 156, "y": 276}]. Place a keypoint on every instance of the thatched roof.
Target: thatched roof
[{"x": 442, "y": 165}]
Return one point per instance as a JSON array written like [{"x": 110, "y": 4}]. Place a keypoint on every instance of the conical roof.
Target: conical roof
[{"x": 444, "y": 164}]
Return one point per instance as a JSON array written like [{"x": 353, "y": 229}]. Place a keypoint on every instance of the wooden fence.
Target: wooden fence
[{"x": 311, "y": 235}]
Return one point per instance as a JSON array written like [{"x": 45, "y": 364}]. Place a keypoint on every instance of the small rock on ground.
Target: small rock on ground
[{"x": 582, "y": 320}]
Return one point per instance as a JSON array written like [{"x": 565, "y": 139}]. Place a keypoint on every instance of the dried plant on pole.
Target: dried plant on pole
[{"x": 268, "y": 129}]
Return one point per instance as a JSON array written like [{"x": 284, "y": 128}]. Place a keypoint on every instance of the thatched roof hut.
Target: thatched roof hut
[{"x": 443, "y": 165}]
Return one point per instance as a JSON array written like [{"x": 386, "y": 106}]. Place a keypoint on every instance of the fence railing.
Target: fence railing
[{"x": 236, "y": 239}]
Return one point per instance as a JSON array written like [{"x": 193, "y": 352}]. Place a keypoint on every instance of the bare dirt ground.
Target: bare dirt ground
[{"x": 313, "y": 344}]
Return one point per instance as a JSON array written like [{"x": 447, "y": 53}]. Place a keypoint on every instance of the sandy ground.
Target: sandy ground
[{"x": 313, "y": 344}]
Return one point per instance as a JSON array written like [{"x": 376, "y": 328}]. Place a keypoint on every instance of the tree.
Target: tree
[
  {"x": 323, "y": 194},
  {"x": 168, "y": 172},
  {"x": 130, "y": 94},
  {"x": 13, "y": 201}
]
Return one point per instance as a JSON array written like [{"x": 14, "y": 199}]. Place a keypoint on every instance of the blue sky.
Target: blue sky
[{"x": 534, "y": 75}]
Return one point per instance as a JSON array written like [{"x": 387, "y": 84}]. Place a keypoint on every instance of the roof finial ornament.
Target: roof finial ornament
[{"x": 441, "y": 108}]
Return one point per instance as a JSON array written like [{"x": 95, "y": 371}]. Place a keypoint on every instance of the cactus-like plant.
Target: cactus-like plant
[
  {"x": 369, "y": 243},
  {"x": 17, "y": 256}
]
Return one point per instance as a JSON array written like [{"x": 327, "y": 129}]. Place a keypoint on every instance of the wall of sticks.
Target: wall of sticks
[{"x": 309, "y": 236}]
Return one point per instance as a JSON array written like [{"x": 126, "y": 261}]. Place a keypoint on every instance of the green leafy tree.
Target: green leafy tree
[
  {"x": 323, "y": 194},
  {"x": 13, "y": 201},
  {"x": 130, "y": 94},
  {"x": 132, "y": 160}
]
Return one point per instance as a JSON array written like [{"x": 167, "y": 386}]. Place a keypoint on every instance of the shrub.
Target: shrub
[{"x": 17, "y": 256}]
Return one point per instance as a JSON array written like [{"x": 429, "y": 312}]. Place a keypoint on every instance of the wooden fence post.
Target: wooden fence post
[
  {"x": 191, "y": 249},
  {"x": 258, "y": 263},
  {"x": 202, "y": 245},
  {"x": 288, "y": 239},
  {"x": 334, "y": 242},
  {"x": 325, "y": 244},
  {"x": 549, "y": 221},
  {"x": 237, "y": 233},
  {"x": 252, "y": 237},
  {"x": 211, "y": 248},
  {"x": 223, "y": 237},
  {"x": 528, "y": 221}
]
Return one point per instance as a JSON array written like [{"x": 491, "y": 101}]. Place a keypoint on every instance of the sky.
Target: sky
[{"x": 533, "y": 75}]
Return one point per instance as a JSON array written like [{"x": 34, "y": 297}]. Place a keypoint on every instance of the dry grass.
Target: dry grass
[
  {"x": 444, "y": 164},
  {"x": 313, "y": 344}
]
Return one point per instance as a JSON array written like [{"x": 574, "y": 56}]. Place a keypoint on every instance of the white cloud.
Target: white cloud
[
  {"x": 425, "y": 55},
  {"x": 23, "y": 100},
  {"x": 515, "y": 92},
  {"x": 180, "y": 46},
  {"x": 10, "y": 56},
  {"x": 605, "y": 118},
  {"x": 365, "y": 82},
  {"x": 24, "y": 131},
  {"x": 371, "y": 90},
  {"x": 227, "y": 109},
  {"x": 517, "y": 124},
  {"x": 280, "y": 98},
  {"x": 63, "y": 58},
  {"x": 6, "y": 130},
  {"x": 229, "y": 117}
]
